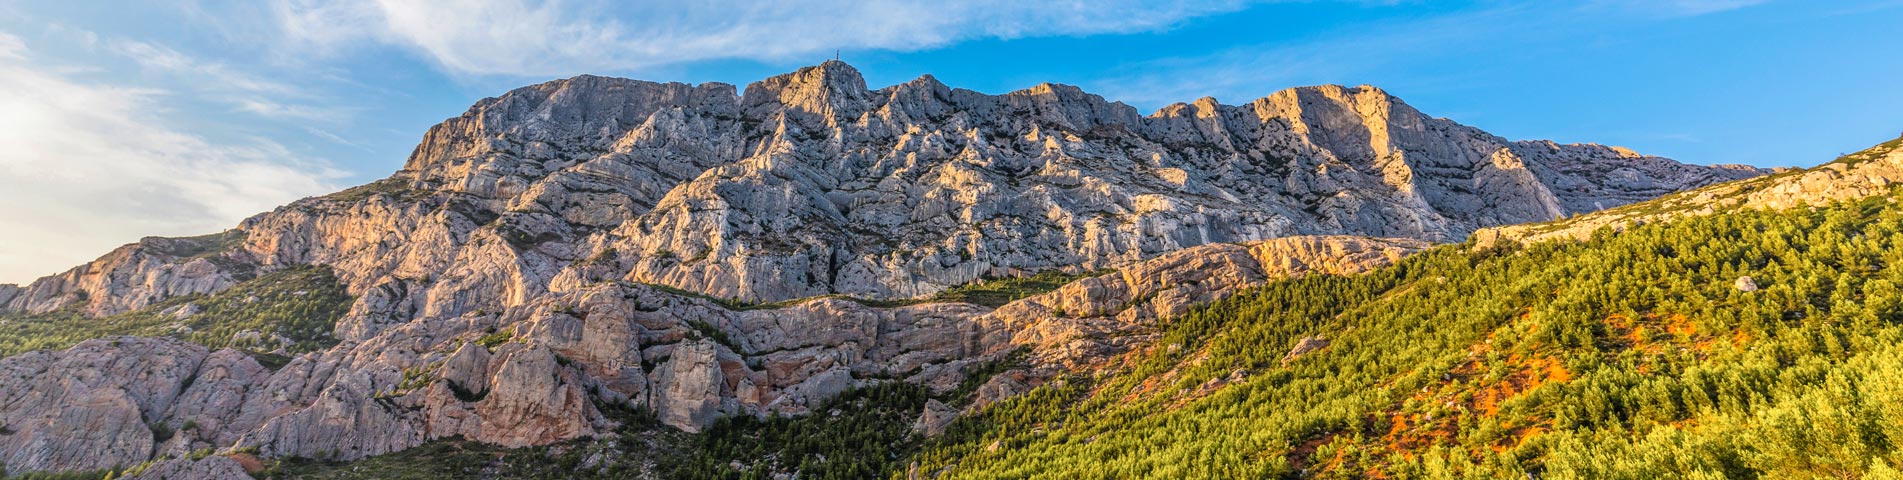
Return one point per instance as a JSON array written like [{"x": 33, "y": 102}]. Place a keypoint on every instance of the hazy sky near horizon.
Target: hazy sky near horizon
[{"x": 181, "y": 117}]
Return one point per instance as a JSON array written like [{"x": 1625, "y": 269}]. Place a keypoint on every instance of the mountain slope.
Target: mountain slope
[{"x": 1640, "y": 353}]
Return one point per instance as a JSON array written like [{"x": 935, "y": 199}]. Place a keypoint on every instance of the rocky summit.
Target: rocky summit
[{"x": 584, "y": 247}]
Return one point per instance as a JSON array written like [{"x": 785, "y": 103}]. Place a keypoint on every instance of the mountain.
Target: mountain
[
  {"x": 810, "y": 184},
  {"x": 576, "y": 257}
]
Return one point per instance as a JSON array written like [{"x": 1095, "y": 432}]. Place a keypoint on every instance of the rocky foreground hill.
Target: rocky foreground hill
[{"x": 589, "y": 246}]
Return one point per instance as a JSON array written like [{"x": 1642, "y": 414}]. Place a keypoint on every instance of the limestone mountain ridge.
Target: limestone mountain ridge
[
  {"x": 810, "y": 184},
  {"x": 580, "y": 246}
]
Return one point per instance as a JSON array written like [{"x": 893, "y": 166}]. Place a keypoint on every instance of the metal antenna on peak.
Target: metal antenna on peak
[{"x": 835, "y": 55}]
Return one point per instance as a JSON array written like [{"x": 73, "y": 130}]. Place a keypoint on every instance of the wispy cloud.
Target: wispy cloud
[
  {"x": 272, "y": 109},
  {"x": 218, "y": 74},
  {"x": 89, "y": 166},
  {"x": 244, "y": 91},
  {"x": 525, "y": 37}
]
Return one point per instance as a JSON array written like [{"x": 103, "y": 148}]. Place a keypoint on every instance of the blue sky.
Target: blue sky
[{"x": 181, "y": 117}]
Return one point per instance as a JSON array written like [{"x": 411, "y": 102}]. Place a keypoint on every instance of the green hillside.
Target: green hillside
[{"x": 1633, "y": 355}]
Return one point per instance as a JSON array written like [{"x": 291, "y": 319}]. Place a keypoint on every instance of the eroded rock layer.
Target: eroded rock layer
[{"x": 546, "y": 371}]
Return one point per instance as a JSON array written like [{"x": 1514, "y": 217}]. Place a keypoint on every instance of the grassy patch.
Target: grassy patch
[
  {"x": 702, "y": 328},
  {"x": 393, "y": 187},
  {"x": 203, "y": 245},
  {"x": 995, "y": 292},
  {"x": 496, "y": 339},
  {"x": 300, "y": 305}
]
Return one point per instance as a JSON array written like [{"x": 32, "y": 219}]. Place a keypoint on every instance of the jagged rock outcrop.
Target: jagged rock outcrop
[
  {"x": 557, "y": 362},
  {"x": 810, "y": 183},
  {"x": 93, "y": 406},
  {"x": 1867, "y": 173},
  {"x": 543, "y": 372},
  {"x": 502, "y": 277},
  {"x": 1091, "y": 322},
  {"x": 1304, "y": 347},
  {"x": 934, "y": 418},
  {"x": 909, "y": 189},
  {"x": 137, "y": 275},
  {"x": 689, "y": 387}
]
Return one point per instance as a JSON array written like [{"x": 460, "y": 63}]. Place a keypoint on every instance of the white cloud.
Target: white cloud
[
  {"x": 527, "y": 37},
  {"x": 88, "y": 166},
  {"x": 162, "y": 58}
]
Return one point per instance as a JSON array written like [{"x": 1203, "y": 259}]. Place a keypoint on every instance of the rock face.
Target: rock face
[
  {"x": 809, "y": 183},
  {"x": 543, "y": 372},
  {"x": 87, "y": 407},
  {"x": 137, "y": 275},
  {"x": 1872, "y": 172},
  {"x": 1091, "y": 322},
  {"x": 522, "y": 276}
]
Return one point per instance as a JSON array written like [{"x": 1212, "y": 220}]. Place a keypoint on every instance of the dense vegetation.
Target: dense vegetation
[
  {"x": 1634, "y": 355},
  {"x": 995, "y": 292},
  {"x": 862, "y": 433},
  {"x": 300, "y": 305}
]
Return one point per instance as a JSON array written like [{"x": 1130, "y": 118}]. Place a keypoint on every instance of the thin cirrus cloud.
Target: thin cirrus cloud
[
  {"x": 242, "y": 91},
  {"x": 89, "y": 166},
  {"x": 518, "y": 37}
]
